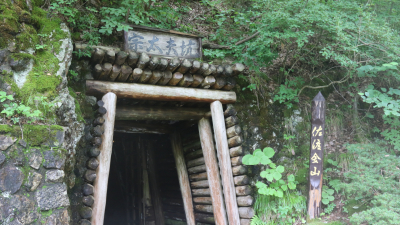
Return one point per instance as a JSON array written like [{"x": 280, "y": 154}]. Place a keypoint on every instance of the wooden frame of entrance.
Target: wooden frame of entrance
[{"x": 221, "y": 197}]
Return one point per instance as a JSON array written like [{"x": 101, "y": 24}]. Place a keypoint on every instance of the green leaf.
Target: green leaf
[
  {"x": 272, "y": 165},
  {"x": 269, "y": 177},
  {"x": 263, "y": 174},
  {"x": 291, "y": 178},
  {"x": 254, "y": 160},
  {"x": 280, "y": 169},
  {"x": 325, "y": 201},
  {"x": 279, "y": 193},
  {"x": 284, "y": 187},
  {"x": 265, "y": 160},
  {"x": 246, "y": 159},
  {"x": 331, "y": 198},
  {"x": 269, "y": 152},
  {"x": 292, "y": 185},
  {"x": 330, "y": 191},
  {"x": 277, "y": 176}
]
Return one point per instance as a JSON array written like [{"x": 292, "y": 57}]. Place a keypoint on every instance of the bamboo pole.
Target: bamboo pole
[
  {"x": 103, "y": 170},
  {"x": 210, "y": 158},
  {"x": 225, "y": 162},
  {"x": 183, "y": 178}
]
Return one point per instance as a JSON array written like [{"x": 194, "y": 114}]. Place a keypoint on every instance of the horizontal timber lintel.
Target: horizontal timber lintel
[{"x": 158, "y": 93}]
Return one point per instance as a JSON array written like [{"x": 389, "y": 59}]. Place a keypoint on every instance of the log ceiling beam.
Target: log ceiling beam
[
  {"x": 160, "y": 113},
  {"x": 128, "y": 126},
  {"x": 158, "y": 93}
]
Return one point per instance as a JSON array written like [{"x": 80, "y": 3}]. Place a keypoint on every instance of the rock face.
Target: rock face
[
  {"x": 35, "y": 158},
  {"x": 54, "y": 175},
  {"x": 11, "y": 179},
  {"x": 6, "y": 142},
  {"x": 52, "y": 197},
  {"x": 60, "y": 218},
  {"x": 33, "y": 181},
  {"x": 2, "y": 158},
  {"x": 27, "y": 212},
  {"x": 53, "y": 159}
]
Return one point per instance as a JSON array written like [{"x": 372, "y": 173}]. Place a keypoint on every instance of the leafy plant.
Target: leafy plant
[
  {"x": 274, "y": 174},
  {"x": 327, "y": 196}
]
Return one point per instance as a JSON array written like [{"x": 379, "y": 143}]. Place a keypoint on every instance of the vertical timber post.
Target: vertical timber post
[
  {"x": 183, "y": 177},
  {"x": 103, "y": 170},
  {"x": 316, "y": 155},
  {"x": 221, "y": 140},
  {"x": 210, "y": 158}
]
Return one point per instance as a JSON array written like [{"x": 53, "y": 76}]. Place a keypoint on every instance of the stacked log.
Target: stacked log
[
  {"x": 243, "y": 190},
  {"x": 113, "y": 65},
  {"x": 198, "y": 178},
  {"x": 94, "y": 135}
]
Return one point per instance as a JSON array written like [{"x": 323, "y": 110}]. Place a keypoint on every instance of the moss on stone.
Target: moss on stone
[
  {"x": 78, "y": 110},
  {"x": 20, "y": 56},
  {"x": 35, "y": 135}
]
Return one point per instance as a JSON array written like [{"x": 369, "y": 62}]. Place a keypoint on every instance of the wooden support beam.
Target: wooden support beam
[
  {"x": 158, "y": 93},
  {"x": 210, "y": 158},
  {"x": 225, "y": 162},
  {"x": 103, "y": 170},
  {"x": 204, "y": 208},
  {"x": 128, "y": 126},
  {"x": 183, "y": 178},
  {"x": 159, "y": 113}
]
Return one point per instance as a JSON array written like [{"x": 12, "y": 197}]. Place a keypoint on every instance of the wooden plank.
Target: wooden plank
[
  {"x": 162, "y": 43},
  {"x": 202, "y": 200},
  {"x": 225, "y": 162},
  {"x": 103, "y": 170},
  {"x": 210, "y": 158},
  {"x": 197, "y": 169},
  {"x": 183, "y": 177},
  {"x": 204, "y": 208},
  {"x": 127, "y": 126},
  {"x": 155, "y": 192},
  {"x": 195, "y": 162},
  {"x": 158, "y": 93},
  {"x": 159, "y": 113}
]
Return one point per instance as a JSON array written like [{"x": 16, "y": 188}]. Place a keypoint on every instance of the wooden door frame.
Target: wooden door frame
[{"x": 112, "y": 90}]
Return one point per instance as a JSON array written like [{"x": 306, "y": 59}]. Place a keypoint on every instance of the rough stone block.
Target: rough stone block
[
  {"x": 54, "y": 175},
  {"x": 6, "y": 142},
  {"x": 52, "y": 196},
  {"x": 58, "y": 218},
  {"x": 33, "y": 181},
  {"x": 54, "y": 159},
  {"x": 11, "y": 179},
  {"x": 35, "y": 158}
]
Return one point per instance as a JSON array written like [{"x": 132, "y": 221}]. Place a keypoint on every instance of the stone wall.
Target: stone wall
[{"x": 33, "y": 187}]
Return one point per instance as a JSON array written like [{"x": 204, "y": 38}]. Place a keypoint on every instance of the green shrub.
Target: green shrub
[{"x": 373, "y": 180}]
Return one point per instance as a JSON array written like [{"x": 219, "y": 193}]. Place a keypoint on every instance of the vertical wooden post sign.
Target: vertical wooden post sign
[{"x": 316, "y": 155}]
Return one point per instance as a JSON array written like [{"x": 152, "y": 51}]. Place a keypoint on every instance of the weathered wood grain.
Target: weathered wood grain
[
  {"x": 158, "y": 113},
  {"x": 239, "y": 170},
  {"x": 197, "y": 80},
  {"x": 158, "y": 93},
  {"x": 201, "y": 192},
  {"x": 224, "y": 162},
  {"x": 207, "y": 82},
  {"x": 199, "y": 184},
  {"x": 241, "y": 180},
  {"x": 183, "y": 178},
  {"x": 246, "y": 212},
  {"x": 135, "y": 76},
  {"x": 236, "y": 161},
  {"x": 213, "y": 174},
  {"x": 233, "y": 131},
  {"x": 167, "y": 76},
  {"x": 197, "y": 169},
  {"x": 235, "y": 141},
  {"x": 195, "y": 162},
  {"x": 243, "y": 190},
  {"x": 236, "y": 151},
  {"x": 197, "y": 177},
  {"x": 103, "y": 170},
  {"x": 247, "y": 200},
  {"x": 202, "y": 200}
]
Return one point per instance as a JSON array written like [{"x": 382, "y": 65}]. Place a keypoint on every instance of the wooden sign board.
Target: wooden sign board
[
  {"x": 161, "y": 42},
  {"x": 316, "y": 155}
]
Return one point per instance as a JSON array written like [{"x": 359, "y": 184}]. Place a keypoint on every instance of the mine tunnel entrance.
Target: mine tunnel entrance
[{"x": 142, "y": 180}]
